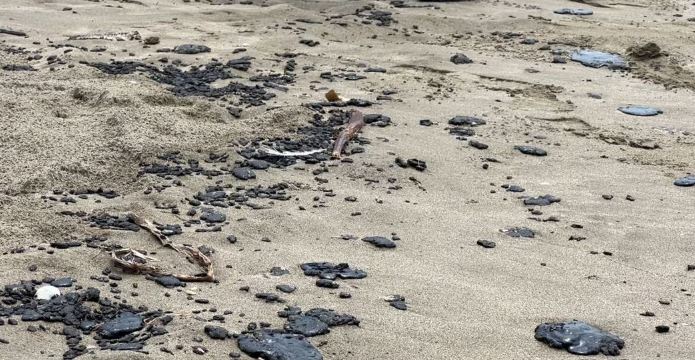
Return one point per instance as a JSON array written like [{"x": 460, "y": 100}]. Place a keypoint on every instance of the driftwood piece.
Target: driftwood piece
[
  {"x": 354, "y": 126},
  {"x": 137, "y": 262}
]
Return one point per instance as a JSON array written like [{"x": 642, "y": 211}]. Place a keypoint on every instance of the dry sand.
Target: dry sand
[{"x": 76, "y": 127}]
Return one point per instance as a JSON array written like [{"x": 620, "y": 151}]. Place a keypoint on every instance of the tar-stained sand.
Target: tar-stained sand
[{"x": 76, "y": 127}]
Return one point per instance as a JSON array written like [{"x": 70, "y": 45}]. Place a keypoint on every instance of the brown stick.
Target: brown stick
[
  {"x": 354, "y": 126},
  {"x": 137, "y": 262}
]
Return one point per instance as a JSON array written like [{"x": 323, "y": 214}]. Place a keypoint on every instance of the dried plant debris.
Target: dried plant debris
[
  {"x": 354, "y": 125},
  {"x": 314, "y": 140},
  {"x": 134, "y": 261}
]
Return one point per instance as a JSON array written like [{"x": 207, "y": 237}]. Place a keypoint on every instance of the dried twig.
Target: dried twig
[
  {"x": 353, "y": 127},
  {"x": 135, "y": 261}
]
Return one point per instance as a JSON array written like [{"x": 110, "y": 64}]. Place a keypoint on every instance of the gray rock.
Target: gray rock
[
  {"x": 277, "y": 345},
  {"x": 685, "y": 181},
  {"x": 243, "y": 173},
  {"x": 531, "y": 150},
  {"x": 216, "y": 332},
  {"x": 466, "y": 120},
  {"x": 460, "y": 59},
  {"x": 380, "y": 241},
  {"x": 307, "y": 326},
  {"x": 638, "y": 110},
  {"x": 597, "y": 59},
  {"x": 191, "y": 49},
  {"x": 574, "y": 11},
  {"x": 124, "y": 324},
  {"x": 579, "y": 338}
]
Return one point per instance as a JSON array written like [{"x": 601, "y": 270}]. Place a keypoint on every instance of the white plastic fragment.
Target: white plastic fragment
[
  {"x": 47, "y": 292},
  {"x": 274, "y": 152}
]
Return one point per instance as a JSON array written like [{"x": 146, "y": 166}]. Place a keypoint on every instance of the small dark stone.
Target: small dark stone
[
  {"x": 486, "y": 244},
  {"x": 310, "y": 43},
  {"x": 168, "y": 281},
  {"x": 520, "y": 232},
  {"x": 466, "y": 121},
  {"x": 544, "y": 200},
  {"x": 212, "y": 216},
  {"x": 559, "y": 60},
  {"x": 529, "y": 41},
  {"x": 325, "y": 283},
  {"x": 477, "y": 145},
  {"x": 460, "y": 59},
  {"x": 151, "y": 40},
  {"x": 418, "y": 165},
  {"x": 30, "y": 315},
  {"x": 65, "y": 245},
  {"x": 232, "y": 239},
  {"x": 662, "y": 329},
  {"x": 258, "y": 164},
  {"x": 426, "y": 122},
  {"x": 124, "y": 324},
  {"x": 278, "y": 271},
  {"x": 243, "y": 173},
  {"x": 216, "y": 332},
  {"x": 191, "y": 49},
  {"x": 62, "y": 282},
  {"x": 269, "y": 297},
  {"x": 398, "y": 302},
  {"x": 306, "y": 325},
  {"x": 133, "y": 346},
  {"x": 531, "y": 150},
  {"x": 332, "y": 318},
  {"x": 286, "y": 288},
  {"x": 380, "y": 242}
]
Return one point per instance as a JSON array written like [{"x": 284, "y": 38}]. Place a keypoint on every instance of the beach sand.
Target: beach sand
[{"x": 75, "y": 127}]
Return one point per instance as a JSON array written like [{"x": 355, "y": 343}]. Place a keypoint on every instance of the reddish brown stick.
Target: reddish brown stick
[{"x": 353, "y": 127}]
